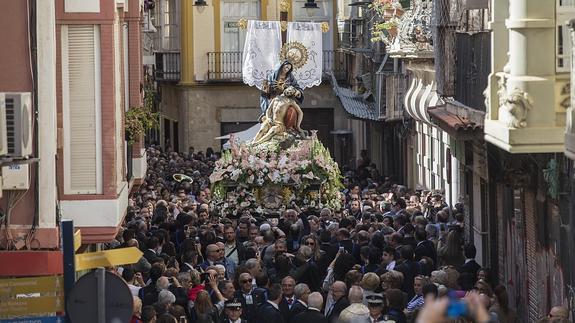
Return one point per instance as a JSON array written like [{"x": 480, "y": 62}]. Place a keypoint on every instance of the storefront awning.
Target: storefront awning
[{"x": 354, "y": 103}]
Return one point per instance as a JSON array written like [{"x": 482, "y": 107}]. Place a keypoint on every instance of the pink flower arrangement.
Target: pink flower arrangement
[{"x": 303, "y": 165}]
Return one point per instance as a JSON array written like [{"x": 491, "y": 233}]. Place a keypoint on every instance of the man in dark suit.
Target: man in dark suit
[
  {"x": 288, "y": 298},
  {"x": 471, "y": 266},
  {"x": 338, "y": 291},
  {"x": 233, "y": 311},
  {"x": 409, "y": 268},
  {"x": 424, "y": 248},
  {"x": 344, "y": 240},
  {"x": 249, "y": 298},
  {"x": 189, "y": 261},
  {"x": 312, "y": 314},
  {"x": 151, "y": 254},
  {"x": 269, "y": 311},
  {"x": 301, "y": 293},
  {"x": 307, "y": 271},
  {"x": 408, "y": 238},
  {"x": 149, "y": 294},
  {"x": 329, "y": 249}
]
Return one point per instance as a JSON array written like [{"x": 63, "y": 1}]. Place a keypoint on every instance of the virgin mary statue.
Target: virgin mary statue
[{"x": 279, "y": 102}]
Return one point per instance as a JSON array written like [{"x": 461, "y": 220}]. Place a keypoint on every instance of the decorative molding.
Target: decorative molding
[
  {"x": 514, "y": 105},
  {"x": 414, "y": 31}
]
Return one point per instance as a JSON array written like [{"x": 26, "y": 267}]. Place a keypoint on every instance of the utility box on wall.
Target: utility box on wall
[{"x": 15, "y": 177}]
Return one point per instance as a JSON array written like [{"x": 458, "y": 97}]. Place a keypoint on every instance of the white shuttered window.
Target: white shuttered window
[{"x": 81, "y": 109}]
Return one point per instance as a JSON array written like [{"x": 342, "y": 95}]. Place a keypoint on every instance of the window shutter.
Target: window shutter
[
  {"x": 82, "y": 107},
  {"x": 565, "y": 11}
]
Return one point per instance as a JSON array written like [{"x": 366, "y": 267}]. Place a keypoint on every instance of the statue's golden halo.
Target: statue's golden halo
[{"x": 295, "y": 53}]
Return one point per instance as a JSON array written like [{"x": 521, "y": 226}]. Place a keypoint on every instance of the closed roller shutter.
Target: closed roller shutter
[{"x": 81, "y": 108}]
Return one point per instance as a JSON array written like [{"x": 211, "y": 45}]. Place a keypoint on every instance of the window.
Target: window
[
  {"x": 170, "y": 30},
  {"x": 81, "y": 109},
  {"x": 565, "y": 11},
  {"x": 233, "y": 38},
  {"x": 322, "y": 14}
]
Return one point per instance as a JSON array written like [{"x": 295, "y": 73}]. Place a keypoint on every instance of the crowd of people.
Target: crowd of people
[{"x": 389, "y": 255}]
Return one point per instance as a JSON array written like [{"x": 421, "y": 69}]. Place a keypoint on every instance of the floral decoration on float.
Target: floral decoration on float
[{"x": 270, "y": 177}]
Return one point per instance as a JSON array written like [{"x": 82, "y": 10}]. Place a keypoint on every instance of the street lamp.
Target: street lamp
[
  {"x": 310, "y": 7},
  {"x": 200, "y": 3}
]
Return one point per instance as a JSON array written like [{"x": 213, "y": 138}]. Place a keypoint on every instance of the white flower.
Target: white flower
[
  {"x": 275, "y": 176},
  {"x": 309, "y": 175},
  {"x": 236, "y": 174},
  {"x": 283, "y": 161}
]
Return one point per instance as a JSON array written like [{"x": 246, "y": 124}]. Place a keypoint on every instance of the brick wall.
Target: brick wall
[
  {"x": 105, "y": 20},
  {"x": 109, "y": 122}
]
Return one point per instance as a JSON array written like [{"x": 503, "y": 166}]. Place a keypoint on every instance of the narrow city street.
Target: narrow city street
[{"x": 287, "y": 161}]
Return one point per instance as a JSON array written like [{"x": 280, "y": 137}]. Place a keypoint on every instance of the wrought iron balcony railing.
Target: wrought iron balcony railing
[
  {"x": 227, "y": 66},
  {"x": 167, "y": 67}
]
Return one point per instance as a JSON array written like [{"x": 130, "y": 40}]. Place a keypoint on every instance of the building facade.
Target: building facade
[
  {"x": 199, "y": 79},
  {"x": 527, "y": 100},
  {"x": 81, "y": 69}
]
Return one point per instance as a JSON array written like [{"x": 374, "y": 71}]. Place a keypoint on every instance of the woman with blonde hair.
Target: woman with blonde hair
[
  {"x": 417, "y": 301},
  {"x": 391, "y": 279},
  {"x": 370, "y": 284},
  {"x": 204, "y": 311},
  {"x": 313, "y": 242},
  {"x": 450, "y": 253},
  {"x": 137, "y": 311}
]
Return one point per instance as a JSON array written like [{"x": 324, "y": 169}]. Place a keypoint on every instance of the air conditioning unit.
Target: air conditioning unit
[
  {"x": 15, "y": 177},
  {"x": 3, "y": 134},
  {"x": 18, "y": 109}
]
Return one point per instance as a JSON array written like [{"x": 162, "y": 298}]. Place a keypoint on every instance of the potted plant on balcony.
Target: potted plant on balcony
[
  {"x": 389, "y": 11},
  {"x": 140, "y": 119}
]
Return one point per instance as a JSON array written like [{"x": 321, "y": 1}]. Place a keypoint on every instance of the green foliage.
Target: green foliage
[{"x": 138, "y": 120}]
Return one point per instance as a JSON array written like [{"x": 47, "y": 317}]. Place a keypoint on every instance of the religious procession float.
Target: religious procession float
[{"x": 283, "y": 164}]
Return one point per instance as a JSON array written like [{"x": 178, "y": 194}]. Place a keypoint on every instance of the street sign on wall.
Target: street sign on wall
[
  {"x": 31, "y": 305},
  {"x": 41, "y": 284},
  {"x": 26, "y": 296}
]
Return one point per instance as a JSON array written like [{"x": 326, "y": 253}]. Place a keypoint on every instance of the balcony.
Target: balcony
[
  {"x": 395, "y": 88},
  {"x": 473, "y": 52},
  {"x": 526, "y": 102},
  {"x": 227, "y": 66},
  {"x": 167, "y": 67},
  {"x": 351, "y": 35}
]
